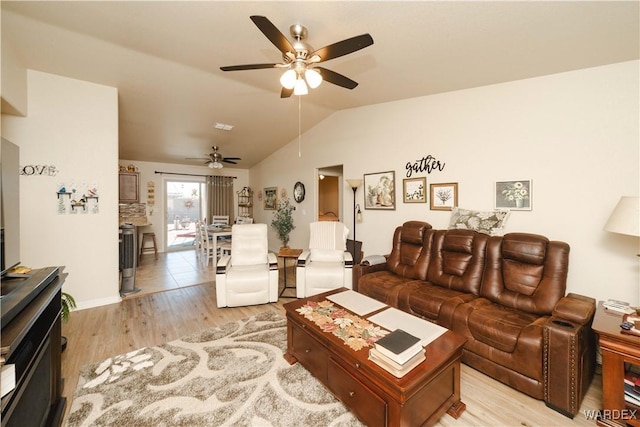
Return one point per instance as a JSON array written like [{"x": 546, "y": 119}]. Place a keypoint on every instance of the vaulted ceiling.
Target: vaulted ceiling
[{"x": 165, "y": 57}]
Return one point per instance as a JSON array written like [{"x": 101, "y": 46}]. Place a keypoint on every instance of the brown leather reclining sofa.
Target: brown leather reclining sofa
[{"x": 506, "y": 295}]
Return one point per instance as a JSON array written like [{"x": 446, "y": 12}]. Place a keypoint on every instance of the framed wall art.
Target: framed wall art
[
  {"x": 444, "y": 197},
  {"x": 380, "y": 190},
  {"x": 414, "y": 190},
  {"x": 513, "y": 195},
  {"x": 271, "y": 198}
]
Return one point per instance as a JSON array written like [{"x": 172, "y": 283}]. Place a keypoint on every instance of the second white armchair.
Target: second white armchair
[{"x": 326, "y": 265}]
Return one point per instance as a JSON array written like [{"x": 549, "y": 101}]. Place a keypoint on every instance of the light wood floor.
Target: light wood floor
[{"x": 154, "y": 316}]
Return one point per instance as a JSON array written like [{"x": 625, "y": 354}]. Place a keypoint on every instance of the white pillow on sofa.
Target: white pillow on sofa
[{"x": 487, "y": 222}]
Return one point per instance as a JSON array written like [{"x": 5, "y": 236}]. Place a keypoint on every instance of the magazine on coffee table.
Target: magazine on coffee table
[
  {"x": 356, "y": 302},
  {"x": 393, "y": 319}
]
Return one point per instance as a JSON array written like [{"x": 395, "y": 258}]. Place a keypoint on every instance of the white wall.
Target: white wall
[
  {"x": 148, "y": 174},
  {"x": 72, "y": 125},
  {"x": 575, "y": 134}
]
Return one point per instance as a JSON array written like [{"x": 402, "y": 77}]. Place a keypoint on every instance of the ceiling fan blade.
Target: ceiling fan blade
[
  {"x": 197, "y": 158},
  {"x": 231, "y": 158},
  {"x": 273, "y": 34},
  {"x": 230, "y": 161},
  {"x": 249, "y": 67},
  {"x": 286, "y": 93},
  {"x": 336, "y": 78},
  {"x": 342, "y": 48}
]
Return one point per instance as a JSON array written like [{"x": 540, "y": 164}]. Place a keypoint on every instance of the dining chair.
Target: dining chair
[
  {"x": 219, "y": 220},
  {"x": 207, "y": 248}
]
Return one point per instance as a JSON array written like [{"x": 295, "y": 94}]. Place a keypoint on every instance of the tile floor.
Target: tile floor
[
  {"x": 172, "y": 270},
  {"x": 178, "y": 269}
]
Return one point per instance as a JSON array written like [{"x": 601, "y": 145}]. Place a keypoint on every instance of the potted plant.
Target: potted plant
[
  {"x": 68, "y": 303},
  {"x": 283, "y": 221}
]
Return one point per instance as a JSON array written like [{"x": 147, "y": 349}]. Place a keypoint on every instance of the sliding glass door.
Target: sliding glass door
[{"x": 185, "y": 201}]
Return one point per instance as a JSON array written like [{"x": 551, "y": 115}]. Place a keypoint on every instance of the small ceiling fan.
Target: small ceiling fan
[
  {"x": 299, "y": 59},
  {"x": 215, "y": 159}
]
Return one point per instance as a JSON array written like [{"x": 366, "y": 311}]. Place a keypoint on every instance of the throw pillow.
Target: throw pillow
[{"x": 490, "y": 222}]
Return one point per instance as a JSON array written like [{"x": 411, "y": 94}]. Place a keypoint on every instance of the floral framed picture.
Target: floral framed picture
[
  {"x": 513, "y": 195},
  {"x": 444, "y": 197},
  {"x": 270, "y": 198},
  {"x": 380, "y": 191},
  {"x": 414, "y": 190}
]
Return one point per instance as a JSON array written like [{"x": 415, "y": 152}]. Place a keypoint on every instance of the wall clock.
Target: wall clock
[{"x": 298, "y": 192}]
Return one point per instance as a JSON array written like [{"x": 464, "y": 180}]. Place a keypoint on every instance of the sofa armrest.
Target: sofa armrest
[
  {"x": 347, "y": 258},
  {"x": 223, "y": 264},
  {"x": 569, "y": 353},
  {"x": 575, "y": 308},
  {"x": 272, "y": 258},
  {"x": 303, "y": 258},
  {"x": 361, "y": 269}
]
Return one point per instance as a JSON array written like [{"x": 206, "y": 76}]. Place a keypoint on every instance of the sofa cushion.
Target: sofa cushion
[
  {"x": 432, "y": 302},
  {"x": 498, "y": 326},
  {"x": 525, "y": 272},
  {"x": 327, "y": 255},
  {"x": 385, "y": 286},
  {"x": 457, "y": 260},
  {"x": 409, "y": 256},
  {"x": 487, "y": 222}
]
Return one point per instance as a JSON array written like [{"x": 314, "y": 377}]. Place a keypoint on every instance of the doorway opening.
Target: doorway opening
[
  {"x": 185, "y": 201},
  {"x": 330, "y": 193}
]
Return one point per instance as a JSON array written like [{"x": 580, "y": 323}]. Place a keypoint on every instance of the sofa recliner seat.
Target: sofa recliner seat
[{"x": 505, "y": 294}]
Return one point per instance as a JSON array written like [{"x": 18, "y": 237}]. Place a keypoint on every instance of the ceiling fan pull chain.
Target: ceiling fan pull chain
[{"x": 299, "y": 126}]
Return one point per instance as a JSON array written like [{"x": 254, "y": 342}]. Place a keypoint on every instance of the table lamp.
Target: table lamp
[{"x": 625, "y": 218}]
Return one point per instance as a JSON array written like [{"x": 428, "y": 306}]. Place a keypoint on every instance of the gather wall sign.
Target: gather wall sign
[{"x": 426, "y": 164}]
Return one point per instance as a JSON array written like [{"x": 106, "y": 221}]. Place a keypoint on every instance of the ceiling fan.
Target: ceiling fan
[
  {"x": 299, "y": 59},
  {"x": 215, "y": 159}
]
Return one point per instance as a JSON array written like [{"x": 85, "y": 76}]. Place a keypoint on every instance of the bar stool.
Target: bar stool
[{"x": 152, "y": 238}]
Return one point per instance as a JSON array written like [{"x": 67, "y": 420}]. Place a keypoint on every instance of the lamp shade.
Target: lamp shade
[
  {"x": 625, "y": 218},
  {"x": 313, "y": 78},
  {"x": 300, "y": 88},
  {"x": 288, "y": 79},
  {"x": 354, "y": 183}
]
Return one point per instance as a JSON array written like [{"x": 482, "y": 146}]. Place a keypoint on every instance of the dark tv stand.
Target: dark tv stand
[{"x": 31, "y": 341}]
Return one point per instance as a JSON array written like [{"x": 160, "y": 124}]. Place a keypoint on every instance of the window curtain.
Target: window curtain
[{"x": 220, "y": 197}]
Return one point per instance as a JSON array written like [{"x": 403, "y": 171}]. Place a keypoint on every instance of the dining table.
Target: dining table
[{"x": 218, "y": 233}]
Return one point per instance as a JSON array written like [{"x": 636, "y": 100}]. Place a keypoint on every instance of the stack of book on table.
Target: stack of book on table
[
  {"x": 632, "y": 388},
  {"x": 398, "y": 352}
]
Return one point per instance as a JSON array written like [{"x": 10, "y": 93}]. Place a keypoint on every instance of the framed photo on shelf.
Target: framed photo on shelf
[
  {"x": 271, "y": 198},
  {"x": 414, "y": 190},
  {"x": 513, "y": 195},
  {"x": 379, "y": 190},
  {"x": 444, "y": 197}
]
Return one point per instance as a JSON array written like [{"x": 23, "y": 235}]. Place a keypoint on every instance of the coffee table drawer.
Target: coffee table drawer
[
  {"x": 309, "y": 352},
  {"x": 365, "y": 403}
]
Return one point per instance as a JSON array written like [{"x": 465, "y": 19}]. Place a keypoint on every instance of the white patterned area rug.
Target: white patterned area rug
[{"x": 234, "y": 375}]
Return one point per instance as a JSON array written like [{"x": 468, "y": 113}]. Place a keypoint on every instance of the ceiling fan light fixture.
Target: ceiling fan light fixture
[
  {"x": 300, "y": 88},
  {"x": 288, "y": 79},
  {"x": 215, "y": 165},
  {"x": 313, "y": 78}
]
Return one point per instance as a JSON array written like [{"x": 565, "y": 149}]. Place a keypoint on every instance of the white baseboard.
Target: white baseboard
[{"x": 83, "y": 305}]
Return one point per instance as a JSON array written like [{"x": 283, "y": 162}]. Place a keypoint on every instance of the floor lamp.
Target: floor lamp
[{"x": 354, "y": 184}]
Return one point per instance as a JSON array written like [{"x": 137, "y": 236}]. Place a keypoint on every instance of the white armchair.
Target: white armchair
[
  {"x": 326, "y": 265},
  {"x": 249, "y": 275}
]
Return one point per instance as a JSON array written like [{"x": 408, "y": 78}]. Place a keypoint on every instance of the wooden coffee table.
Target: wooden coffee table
[{"x": 374, "y": 395}]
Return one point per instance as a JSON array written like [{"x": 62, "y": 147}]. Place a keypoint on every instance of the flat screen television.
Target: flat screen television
[{"x": 9, "y": 205}]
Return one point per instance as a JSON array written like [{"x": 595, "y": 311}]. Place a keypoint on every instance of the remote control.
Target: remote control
[{"x": 619, "y": 308}]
